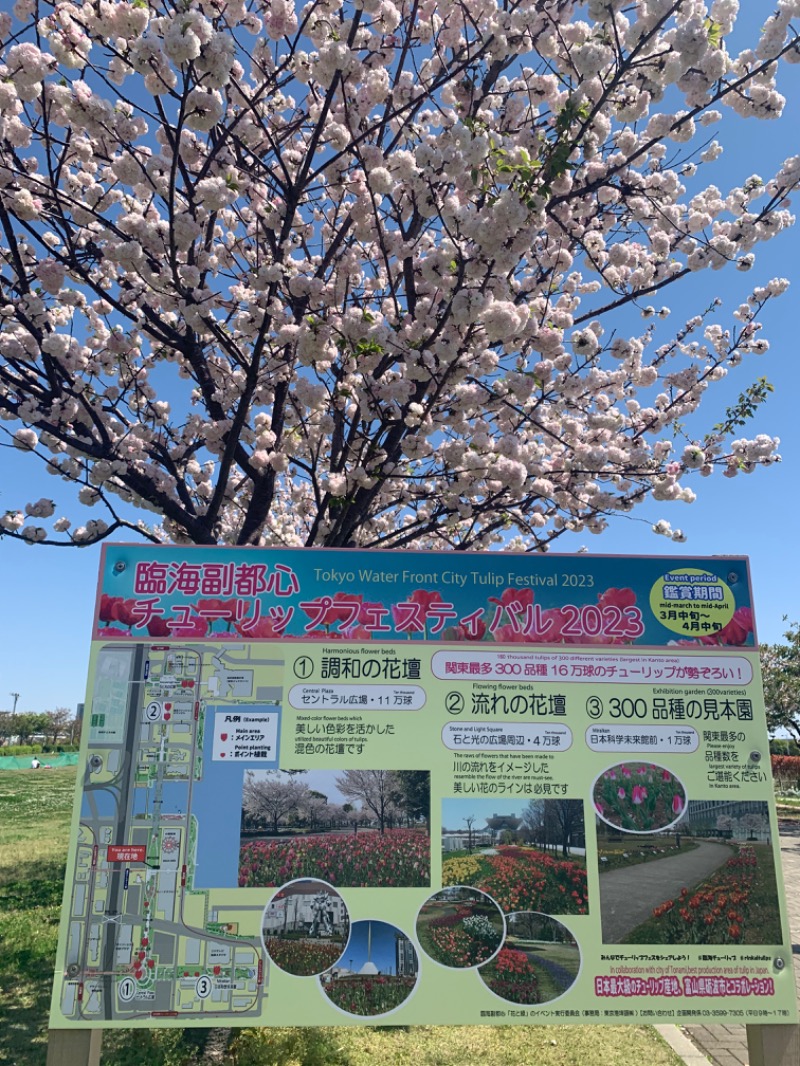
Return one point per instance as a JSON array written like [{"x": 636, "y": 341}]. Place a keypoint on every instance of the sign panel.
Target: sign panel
[{"x": 332, "y": 787}]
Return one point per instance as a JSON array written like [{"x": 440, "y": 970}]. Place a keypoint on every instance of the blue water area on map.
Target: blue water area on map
[
  {"x": 173, "y": 799},
  {"x": 105, "y": 804},
  {"x": 216, "y": 804}
]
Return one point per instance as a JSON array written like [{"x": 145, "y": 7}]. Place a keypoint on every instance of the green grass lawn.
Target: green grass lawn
[
  {"x": 563, "y": 954},
  {"x": 35, "y": 812}
]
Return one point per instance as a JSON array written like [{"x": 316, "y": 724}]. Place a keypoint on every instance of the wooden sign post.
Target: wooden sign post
[
  {"x": 74, "y": 1047},
  {"x": 773, "y": 1045}
]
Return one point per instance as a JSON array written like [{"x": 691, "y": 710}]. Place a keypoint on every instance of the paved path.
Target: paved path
[
  {"x": 628, "y": 895},
  {"x": 726, "y": 1045}
]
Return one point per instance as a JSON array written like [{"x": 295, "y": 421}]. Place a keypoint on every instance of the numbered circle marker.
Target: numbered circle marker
[{"x": 126, "y": 989}]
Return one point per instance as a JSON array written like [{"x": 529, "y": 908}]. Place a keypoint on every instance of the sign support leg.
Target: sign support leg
[
  {"x": 773, "y": 1045},
  {"x": 74, "y": 1047}
]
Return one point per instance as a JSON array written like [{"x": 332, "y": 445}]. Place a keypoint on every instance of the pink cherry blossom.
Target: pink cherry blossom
[{"x": 364, "y": 275}]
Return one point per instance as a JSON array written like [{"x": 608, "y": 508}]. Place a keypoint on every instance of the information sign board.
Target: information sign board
[{"x": 328, "y": 787}]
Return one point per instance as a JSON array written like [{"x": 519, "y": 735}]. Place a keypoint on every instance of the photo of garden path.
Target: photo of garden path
[
  {"x": 305, "y": 928},
  {"x": 351, "y": 828},
  {"x": 460, "y": 927},
  {"x": 538, "y": 962},
  {"x": 534, "y": 860},
  {"x": 717, "y": 887},
  {"x": 377, "y": 973}
]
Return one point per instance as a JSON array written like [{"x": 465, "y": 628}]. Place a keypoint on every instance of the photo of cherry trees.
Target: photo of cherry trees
[{"x": 350, "y": 828}]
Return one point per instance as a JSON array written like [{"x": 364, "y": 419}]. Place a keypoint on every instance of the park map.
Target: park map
[{"x": 455, "y": 790}]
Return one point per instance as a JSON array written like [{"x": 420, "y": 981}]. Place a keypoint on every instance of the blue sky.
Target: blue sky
[
  {"x": 48, "y": 593},
  {"x": 455, "y": 811},
  {"x": 382, "y": 946}
]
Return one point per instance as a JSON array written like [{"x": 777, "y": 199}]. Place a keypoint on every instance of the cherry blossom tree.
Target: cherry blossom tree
[
  {"x": 360, "y": 273},
  {"x": 272, "y": 796},
  {"x": 780, "y": 667},
  {"x": 374, "y": 789}
]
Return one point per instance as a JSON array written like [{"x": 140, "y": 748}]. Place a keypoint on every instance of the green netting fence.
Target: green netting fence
[{"x": 23, "y": 762}]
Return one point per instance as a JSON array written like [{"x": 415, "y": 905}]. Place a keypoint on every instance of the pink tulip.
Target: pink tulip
[
  {"x": 677, "y": 804},
  {"x": 621, "y": 793}
]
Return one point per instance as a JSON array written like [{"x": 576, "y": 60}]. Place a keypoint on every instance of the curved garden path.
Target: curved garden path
[{"x": 628, "y": 895}]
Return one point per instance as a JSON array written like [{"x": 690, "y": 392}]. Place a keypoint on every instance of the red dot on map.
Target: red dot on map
[
  {"x": 145, "y": 941},
  {"x": 197, "y": 973},
  {"x": 216, "y": 969},
  {"x": 222, "y": 755},
  {"x": 151, "y": 963},
  {"x": 223, "y": 736},
  {"x": 167, "y": 706},
  {"x": 167, "y": 716}
]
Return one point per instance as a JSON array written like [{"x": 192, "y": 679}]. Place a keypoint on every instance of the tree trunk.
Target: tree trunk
[{"x": 216, "y": 1044}]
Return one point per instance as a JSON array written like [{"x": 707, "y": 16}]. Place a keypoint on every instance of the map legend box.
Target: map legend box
[{"x": 246, "y": 735}]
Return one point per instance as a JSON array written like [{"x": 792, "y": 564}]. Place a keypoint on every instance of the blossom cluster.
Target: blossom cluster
[{"x": 347, "y": 274}]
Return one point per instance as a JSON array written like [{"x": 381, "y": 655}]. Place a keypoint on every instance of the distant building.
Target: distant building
[
  {"x": 734, "y": 819},
  {"x": 292, "y": 911},
  {"x": 460, "y": 841},
  {"x": 503, "y": 823},
  {"x": 405, "y": 957}
]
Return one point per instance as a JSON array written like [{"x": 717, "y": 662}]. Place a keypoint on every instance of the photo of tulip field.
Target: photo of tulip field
[
  {"x": 531, "y": 861},
  {"x": 639, "y": 797},
  {"x": 710, "y": 880},
  {"x": 736, "y": 905},
  {"x": 538, "y": 962},
  {"x": 377, "y": 973},
  {"x": 351, "y": 828},
  {"x": 305, "y": 928},
  {"x": 460, "y": 927}
]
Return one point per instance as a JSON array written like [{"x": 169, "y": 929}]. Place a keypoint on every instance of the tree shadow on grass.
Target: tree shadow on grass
[{"x": 29, "y": 906}]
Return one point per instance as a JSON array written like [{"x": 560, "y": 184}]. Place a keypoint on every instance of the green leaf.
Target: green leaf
[{"x": 714, "y": 29}]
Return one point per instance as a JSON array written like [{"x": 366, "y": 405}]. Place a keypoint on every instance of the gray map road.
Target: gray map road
[{"x": 628, "y": 896}]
